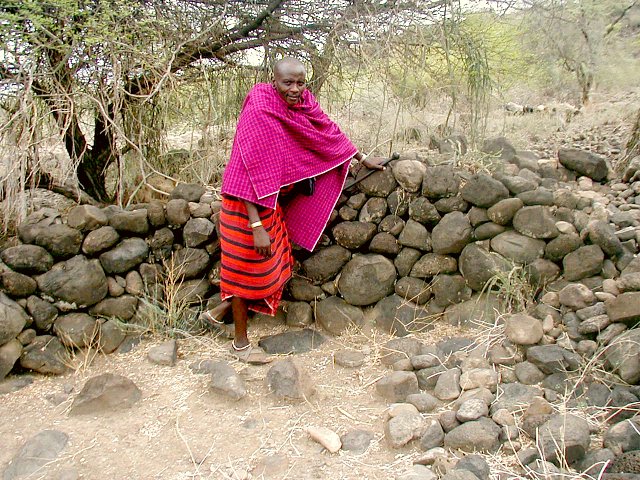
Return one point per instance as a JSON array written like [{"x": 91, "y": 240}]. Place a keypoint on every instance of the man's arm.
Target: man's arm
[
  {"x": 370, "y": 163},
  {"x": 261, "y": 239}
]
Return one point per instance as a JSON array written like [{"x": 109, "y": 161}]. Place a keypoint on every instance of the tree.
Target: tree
[
  {"x": 576, "y": 33},
  {"x": 94, "y": 70}
]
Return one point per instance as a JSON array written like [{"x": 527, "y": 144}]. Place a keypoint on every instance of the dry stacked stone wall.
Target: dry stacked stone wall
[{"x": 407, "y": 248}]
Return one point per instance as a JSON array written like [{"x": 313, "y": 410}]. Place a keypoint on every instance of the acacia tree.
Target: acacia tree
[{"x": 576, "y": 33}]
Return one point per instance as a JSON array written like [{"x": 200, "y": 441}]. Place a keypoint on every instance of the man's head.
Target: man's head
[{"x": 289, "y": 79}]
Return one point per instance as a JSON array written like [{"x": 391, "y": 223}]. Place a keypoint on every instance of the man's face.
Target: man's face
[{"x": 290, "y": 82}]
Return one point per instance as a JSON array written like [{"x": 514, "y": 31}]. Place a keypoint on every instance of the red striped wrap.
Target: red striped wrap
[{"x": 243, "y": 272}]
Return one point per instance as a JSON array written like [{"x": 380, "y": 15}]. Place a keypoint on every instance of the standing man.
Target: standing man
[{"x": 283, "y": 138}]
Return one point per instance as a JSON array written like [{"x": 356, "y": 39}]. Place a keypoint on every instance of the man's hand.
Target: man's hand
[
  {"x": 373, "y": 163},
  {"x": 261, "y": 242}
]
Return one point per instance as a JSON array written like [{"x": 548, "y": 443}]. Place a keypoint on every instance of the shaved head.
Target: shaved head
[
  {"x": 289, "y": 79},
  {"x": 288, "y": 64}
]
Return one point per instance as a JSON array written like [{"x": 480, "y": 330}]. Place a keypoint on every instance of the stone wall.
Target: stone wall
[{"x": 408, "y": 247}]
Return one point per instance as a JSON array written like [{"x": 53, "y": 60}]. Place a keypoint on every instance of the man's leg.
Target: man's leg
[{"x": 240, "y": 312}]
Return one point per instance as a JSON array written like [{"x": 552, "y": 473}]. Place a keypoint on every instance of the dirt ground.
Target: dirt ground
[{"x": 182, "y": 430}]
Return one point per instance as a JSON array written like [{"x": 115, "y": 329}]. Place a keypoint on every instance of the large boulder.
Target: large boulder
[
  {"x": 336, "y": 316},
  {"x": 353, "y": 235},
  {"x": 60, "y": 240},
  {"x": 479, "y": 265},
  {"x": 190, "y": 262},
  {"x": 409, "y": 173},
  {"x": 517, "y": 247},
  {"x": 100, "y": 240},
  {"x": 625, "y": 308},
  {"x": 128, "y": 254},
  {"x": 9, "y": 353},
  {"x": 76, "y": 329},
  {"x": 477, "y": 436},
  {"x": 484, "y": 191},
  {"x": 77, "y": 281},
  {"x": 623, "y": 356},
  {"x": 584, "y": 262},
  {"x": 46, "y": 355},
  {"x": 399, "y": 317},
  {"x": 105, "y": 392},
  {"x": 431, "y": 264},
  {"x": 27, "y": 259},
  {"x": 535, "y": 222},
  {"x": 367, "y": 279},
  {"x": 326, "y": 263},
  {"x": 585, "y": 163},
  {"x": 564, "y": 438},
  {"x": 86, "y": 218},
  {"x": 197, "y": 231},
  {"x": 440, "y": 182},
  {"x": 415, "y": 235},
  {"x": 451, "y": 234},
  {"x": 13, "y": 318}
]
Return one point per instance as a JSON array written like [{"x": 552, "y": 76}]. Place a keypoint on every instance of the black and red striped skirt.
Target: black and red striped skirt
[{"x": 244, "y": 273}]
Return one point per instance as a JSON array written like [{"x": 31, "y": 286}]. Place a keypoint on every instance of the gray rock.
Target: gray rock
[
  {"x": 326, "y": 263},
  {"x": 451, "y": 204},
  {"x": 349, "y": 358},
  {"x": 594, "y": 324},
  {"x": 112, "y": 334},
  {"x": 584, "y": 162},
  {"x": 431, "y": 264},
  {"x": 625, "y": 308},
  {"x": 576, "y": 296},
  {"x": 373, "y": 211},
  {"x": 428, "y": 377},
  {"x": 564, "y": 438},
  {"x": 399, "y": 349},
  {"x": 415, "y": 235},
  {"x": 623, "y": 437},
  {"x": 128, "y": 254},
  {"x": 448, "y": 385},
  {"x": 86, "y": 218},
  {"x": 100, "y": 240},
  {"x": 535, "y": 222},
  {"x": 480, "y": 435},
  {"x": 12, "y": 319},
  {"x": 13, "y": 384},
  {"x": 552, "y": 358},
  {"x": 471, "y": 410},
  {"x": 627, "y": 462},
  {"x": 487, "y": 231},
  {"x": 399, "y": 317},
  {"x": 225, "y": 381},
  {"x": 191, "y": 291},
  {"x": 523, "y": 329},
  {"x": 379, "y": 184},
  {"x": 479, "y": 308},
  {"x": 502, "y": 212},
  {"x": 440, "y": 181},
  {"x": 134, "y": 222},
  {"x": 164, "y": 354},
  {"x": 479, "y": 378},
  {"x": 484, "y": 191},
  {"x": 542, "y": 272},
  {"x": 528, "y": 374},
  {"x": 161, "y": 242},
  {"x": 451, "y": 234},
  {"x": 423, "y": 211},
  {"x": 601, "y": 233},
  {"x": 294, "y": 341},
  {"x": 190, "y": 262},
  {"x": 478, "y": 265},
  {"x": 396, "y": 386},
  {"x": 17, "y": 285},
  {"x": 357, "y": 441},
  {"x": 433, "y": 435},
  {"x": 540, "y": 196},
  {"x": 123, "y": 307},
  {"x": 336, "y": 316},
  {"x": 155, "y": 213},
  {"x": 474, "y": 464},
  {"x": 9, "y": 354},
  {"x": 582, "y": 263},
  {"x": 77, "y": 281},
  {"x": 60, "y": 240},
  {"x": 367, "y": 279},
  {"x": 413, "y": 289},
  {"x": 299, "y": 314},
  {"x": 562, "y": 246},
  {"x": 191, "y": 192},
  {"x": 499, "y": 147},
  {"x": 105, "y": 392},
  {"x": 623, "y": 356},
  {"x": 40, "y": 450},
  {"x": 409, "y": 173},
  {"x": 197, "y": 231},
  {"x": 518, "y": 248},
  {"x": 27, "y": 259},
  {"x": 46, "y": 355},
  {"x": 514, "y": 397},
  {"x": 405, "y": 260},
  {"x": 303, "y": 290},
  {"x": 76, "y": 330},
  {"x": 403, "y": 429},
  {"x": 398, "y": 202},
  {"x": 353, "y": 235},
  {"x": 177, "y": 212},
  {"x": 392, "y": 224},
  {"x": 450, "y": 289},
  {"x": 385, "y": 244},
  {"x": 286, "y": 379},
  {"x": 424, "y": 402}
]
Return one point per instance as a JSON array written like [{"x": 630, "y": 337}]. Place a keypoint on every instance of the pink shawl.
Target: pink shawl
[{"x": 277, "y": 145}]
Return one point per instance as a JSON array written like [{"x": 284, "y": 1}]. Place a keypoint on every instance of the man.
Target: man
[{"x": 283, "y": 138}]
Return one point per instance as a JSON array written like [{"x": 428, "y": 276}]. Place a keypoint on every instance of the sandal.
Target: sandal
[
  {"x": 250, "y": 354},
  {"x": 216, "y": 325}
]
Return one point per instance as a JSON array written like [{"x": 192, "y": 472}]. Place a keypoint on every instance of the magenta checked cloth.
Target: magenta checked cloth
[{"x": 277, "y": 145}]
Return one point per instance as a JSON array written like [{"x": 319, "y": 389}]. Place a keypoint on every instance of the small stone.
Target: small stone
[
  {"x": 357, "y": 441},
  {"x": 226, "y": 381},
  {"x": 349, "y": 358},
  {"x": 472, "y": 410},
  {"x": 105, "y": 392},
  {"x": 325, "y": 437},
  {"x": 164, "y": 354}
]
